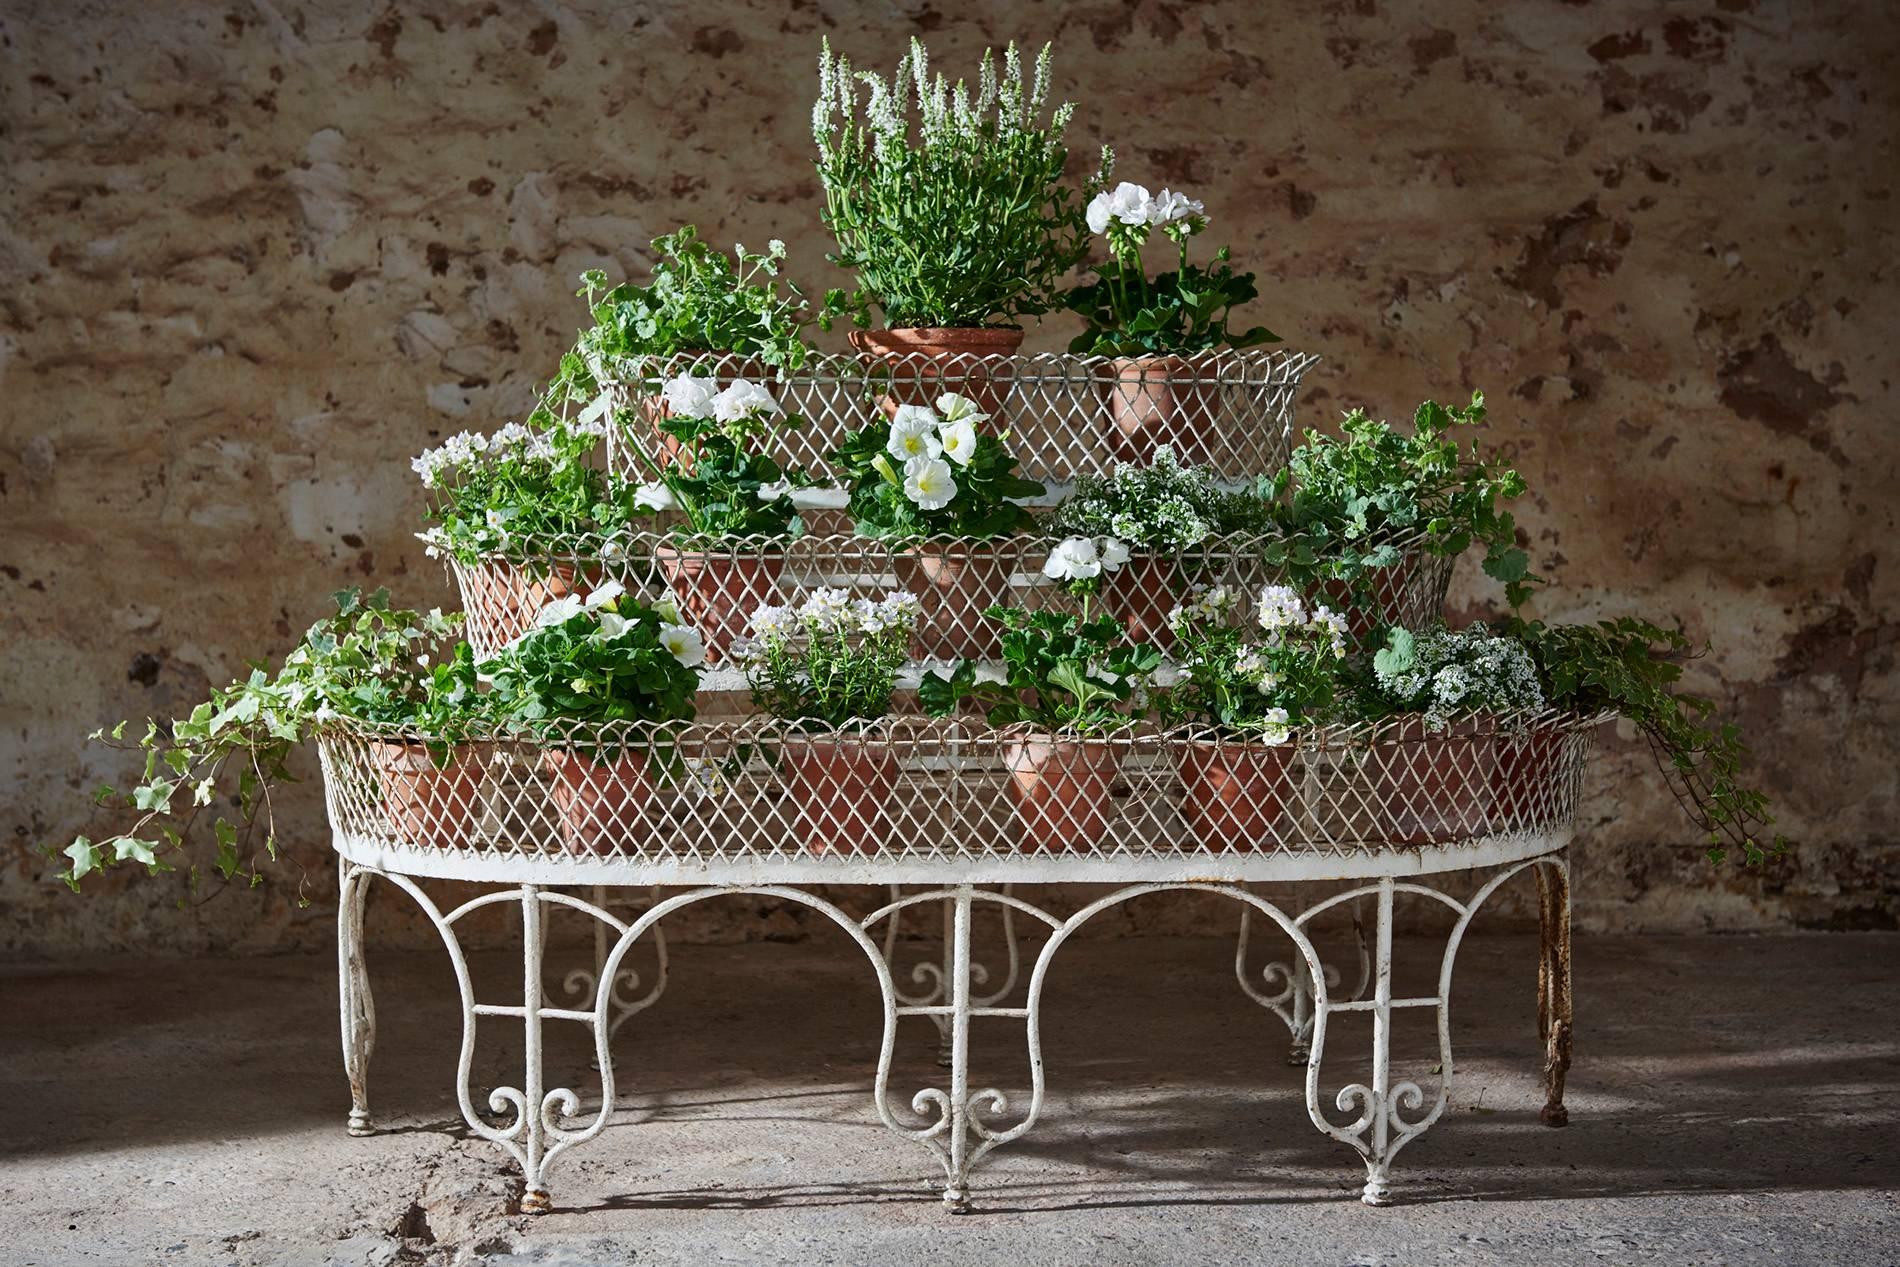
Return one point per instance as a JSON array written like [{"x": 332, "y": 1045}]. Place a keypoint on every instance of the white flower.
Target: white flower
[
  {"x": 690, "y": 396},
  {"x": 1333, "y": 625},
  {"x": 928, "y": 483},
  {"x": 772, "y": 621},
  {"x": 499, "y": 518},
  {"x": 1280, "y": 608},
  {"x": 613, "y": 625},
  {"x": 828, "y": 610},
  {"x": 1128, "y": 203},
  {"x": 744, "y": 399},
  {"x": 955, "y": 408},
  {"x": 1114, "y": 553},
  {"x": 1075, "y": 559},
  {"x": 560, "y": 610},
  {"x": 1274, "y": 728},
  {"x": 913, "y": 434},
  {"x": 606, "y": 593},
  {"x": 900, "y": 610},
  {"x": 1165, "y": 675},
  {"x": 959, "y": 441},
  {"x": 775, "y": 247},
  {"x": 667, "y": 610},
  {"x": 683, "y": 643},
  {"x": 654, "y": 496},
  {"x": 1169, "y": 206}
]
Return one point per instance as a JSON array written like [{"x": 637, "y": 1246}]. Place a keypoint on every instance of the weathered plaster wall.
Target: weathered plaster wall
[{"x": 257, "y": 253}]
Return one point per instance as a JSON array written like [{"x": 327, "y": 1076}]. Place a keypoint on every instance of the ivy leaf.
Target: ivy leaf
[{"x": 85, "y": 857}]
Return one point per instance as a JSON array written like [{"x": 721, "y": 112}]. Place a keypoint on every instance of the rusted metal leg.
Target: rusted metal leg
[
  {"x": 358, "y": 1007},
  {"x": 1553, "y": 986}
]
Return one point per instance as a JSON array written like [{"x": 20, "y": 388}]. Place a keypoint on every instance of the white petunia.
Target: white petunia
[
  {"x": 955, "y": 408},
  {"x": 1075, "y": 559},
  {"x": 1114, "y": 553},
  {"x": 606, "y": 593},
  {"x": 654, "y": 496},
  {"x": 1169, "y": 206},
  {"x": 667, "y": 610},
  {"x": 928, "y": 483},
  {"x": 614, "y": 625},
  {"x": 691, "y": 396},
  {"x": 684, "y": 644},
  {"x": 1129, "y": 203},
  {"x": 498, "y": 519},
  {"x": 744, "y": 399},
  {"x": 560, "y": 610},
  {"x": 959, "y": 441},
  {"x": 913, "y": 434}
]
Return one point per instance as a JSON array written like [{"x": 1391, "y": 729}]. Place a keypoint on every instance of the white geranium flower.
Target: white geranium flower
[
  {"x": 1114, "y": 553},
  {"x": 744, "y": 399},
  {"x": 684, "y": 644},
  {"x": 928, "y": 483},
  {"x": 959, "y": 441},
  {"x": 691, "y": 396},
  {"x": 913, "y": 434},
  {"x": 654, "y": 496},
  {"x": 1127, "y": 202},
  {"x": 605, "y": 593},
  {"x": 955, "y": 408},
  {"x": 1169, "y": 206},
  {"x": 1075, "y": 559}
]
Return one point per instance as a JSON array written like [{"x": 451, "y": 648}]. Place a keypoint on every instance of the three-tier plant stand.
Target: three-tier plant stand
[{"x": 1381, "y": 810}]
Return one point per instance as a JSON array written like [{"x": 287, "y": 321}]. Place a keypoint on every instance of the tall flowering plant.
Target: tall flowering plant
[
  {"x": 721, "y": 480},
  {"x": 1176, "y": 313},
  {"x": 947, "y": 203},
  {"x": 831, "y": 659},
  {"x": 1255, "y": 684},
  {"x": 930, "y": 473},
  {"x": 503, "y": 492}
]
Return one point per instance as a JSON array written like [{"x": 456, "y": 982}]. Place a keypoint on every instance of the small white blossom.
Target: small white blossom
[
  {"x": 1075, "y": 559},
  {"x": 1279, "y": 608},
  {"x": 691, "y": 396},
  {"x": 1274, "y": 728},
  {"x": 1114, "y": 553},
  {"x": 605, "y": 593},
  {"x": 744, "y": 399},
  {"x": 828, "y": 610},
  {"x": 1128, "y": 203},
  {"x": 928, "y": 483},
  {"x": 1169, "y": 206},
  {"x": 772, "y": 621}
]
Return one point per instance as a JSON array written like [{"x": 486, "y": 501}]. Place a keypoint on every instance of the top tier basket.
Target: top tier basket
[{"x": 1065, "y": 416}]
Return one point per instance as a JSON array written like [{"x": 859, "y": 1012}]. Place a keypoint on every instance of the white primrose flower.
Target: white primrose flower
[
  {"x": 1114, "y": 553},
  {"x": 955, "y": 408},
  {"x": 691, "y": 396},
  {"x": 744, "y": 399},
  {"x": 1169, "y": 206},
  {"x": 1075, "y": 559},
  {"x": 771, "y": 621},
  {"x": 913, "y": 434},
  {"x": 654, "y": 496},
  {"x": 959, "y": 441},
  {"x": 684, "y": 644},
  {"x": 928, "y": 483},
  {"x": 1129, "y": 203}
]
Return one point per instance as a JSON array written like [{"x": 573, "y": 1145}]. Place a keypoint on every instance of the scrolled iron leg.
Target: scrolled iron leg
[
  {"x": 1553, "y": 985},
  {"x": 357, "y": 1005}
]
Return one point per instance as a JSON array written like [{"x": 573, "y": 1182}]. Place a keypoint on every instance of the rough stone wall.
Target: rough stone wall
[{"x": 257, "y": 253}]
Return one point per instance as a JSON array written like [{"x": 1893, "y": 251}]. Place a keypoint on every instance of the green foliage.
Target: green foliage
[
  {"x": 722, "y": 480},
  {"x": 1625, "y": 665},
  {"x": 1062, "y": 674},
  {"x": 516, "y": 491},
  {"x": 1254, "y": 684},
  {"x": 1162, "y": 506},
  {"x": 928, "y": 475},
  {"x": 831, "y": 661},
  {"x": 1343, "y": 504},
  {"x": 369, "y": 660},
  {"x": 600, "y": 659},
  {"x": 963, "y": 221}
]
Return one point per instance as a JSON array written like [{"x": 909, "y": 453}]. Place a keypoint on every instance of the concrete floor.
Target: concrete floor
[{"x": 1735, "y": 1100}]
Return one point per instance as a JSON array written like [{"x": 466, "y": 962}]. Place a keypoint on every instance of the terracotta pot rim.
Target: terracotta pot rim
[
  {"x": 880, "y": 340},
  {"x": 1243, "y": 745},
  {"x": 667, "y": 549}
]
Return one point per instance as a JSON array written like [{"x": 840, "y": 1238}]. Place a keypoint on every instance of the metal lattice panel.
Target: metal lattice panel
[
  {"x": 911, "y": 787},
  {"x": 1064, "y": 415},
  {"x": 956, "y": 580}
]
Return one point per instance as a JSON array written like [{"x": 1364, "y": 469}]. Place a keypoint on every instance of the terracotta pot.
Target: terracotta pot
[
  {"x": 1061, "y": 789},
  {"x": 843, "y": 789},
  {"x": 652, "y": 410},
  {"x": 598, "y": 806},
  {"x": 434, "y": 808},
  {"x": 1430, "y": 787},
  {"x": 1155, "y": 400},
  {"x": 1235, "y": 793},
  {"x": 1524, "y": 778},
  {"x": 954, "y": 586},
  {"x": 503, "y": 598},
  {"x": 1141, "y": 595},
  {"x": 924, "y": 362},
  {"x": 717, "y": 592}
]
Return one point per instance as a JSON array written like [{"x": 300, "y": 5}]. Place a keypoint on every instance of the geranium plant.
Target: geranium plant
[
  {"x": 947, "y": 203},
  {"x": 721, "y": 480},
  {"x": 1449, "y": 675},
  {"x": 927, "y": 473},
  {"x": 1081, "y": 564},
  {"x": 1630, "y": 666},
  {"x": 1062, "y": 674},
  {"x": 1163, "y": 506},
  {"x": 1348, "y": 504},
  {"x": 830, "y": 660},
  {"x": 507, "y": 491},
  {"x": 1177, "y": 313},
  {"x": 1254, "y": 684},
  {"x": 368, "y": 661}
]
